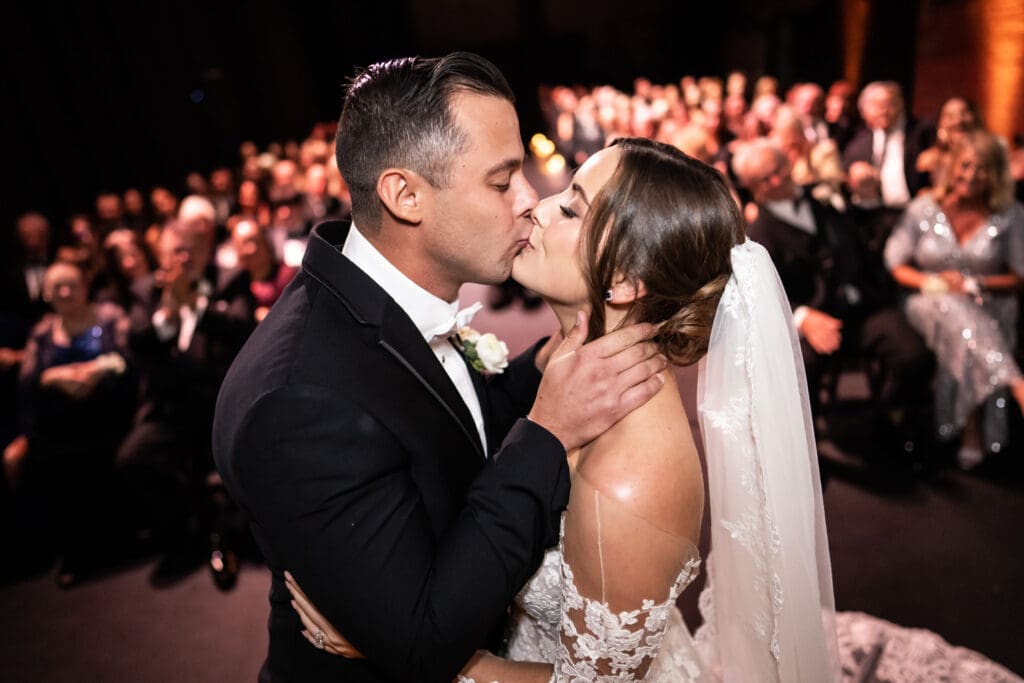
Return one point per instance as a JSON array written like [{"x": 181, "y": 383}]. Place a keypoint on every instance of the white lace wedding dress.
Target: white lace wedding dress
[
  {"x": 870, "y": 649},
  {"x": 610, "y": 646},
  {"x": 767, "y": 604}
]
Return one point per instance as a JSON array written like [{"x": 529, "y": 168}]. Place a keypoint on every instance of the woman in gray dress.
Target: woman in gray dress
[{"x": 961, "y": 249}]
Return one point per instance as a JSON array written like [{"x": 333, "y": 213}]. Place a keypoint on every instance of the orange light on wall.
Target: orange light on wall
[
  {"x": 855, "y": 33},
  {"x": 1001, "y": 64}
]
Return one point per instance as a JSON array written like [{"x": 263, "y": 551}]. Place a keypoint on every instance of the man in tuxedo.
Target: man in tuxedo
[
  {"x": 410, "y": 497},
  {"x": 184, "y": 333},
  {"x": 808, "y": 101},
  {"x": 836, "y": 304},
  {"x": 880, "y": 161}
]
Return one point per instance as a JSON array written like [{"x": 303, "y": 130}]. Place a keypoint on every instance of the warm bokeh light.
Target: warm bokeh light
[
  {"x": 554, "y": 165},
  {"x": 1001, "y": 64},
  {"x": 541, "y": 146}
]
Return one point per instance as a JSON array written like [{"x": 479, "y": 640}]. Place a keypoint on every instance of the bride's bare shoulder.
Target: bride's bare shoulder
[{"x": 648, "y": 462}]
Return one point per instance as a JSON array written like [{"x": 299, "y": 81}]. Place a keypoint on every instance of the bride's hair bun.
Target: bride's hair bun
[
  {"x": 684, "y": 337},
  {"x": 669, "y": 222}
]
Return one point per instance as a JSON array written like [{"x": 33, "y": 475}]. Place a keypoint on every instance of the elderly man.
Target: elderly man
[
  {"x": 880, "y": 163},
  {"x": 889, "y": 142},
  {"x": 835, "y": 304}
]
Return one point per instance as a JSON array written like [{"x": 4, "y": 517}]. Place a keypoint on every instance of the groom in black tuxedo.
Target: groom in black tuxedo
[{"x": 409, "y": 497}]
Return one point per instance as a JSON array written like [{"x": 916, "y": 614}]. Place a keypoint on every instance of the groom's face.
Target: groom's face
[{"x": 482, "y": 219}]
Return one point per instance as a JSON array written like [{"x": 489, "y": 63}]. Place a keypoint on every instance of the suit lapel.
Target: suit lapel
[
  {"x": 373, "y": 308},
  {"x": 480, "y": 386},
  {"x": 400, "y": 338}
]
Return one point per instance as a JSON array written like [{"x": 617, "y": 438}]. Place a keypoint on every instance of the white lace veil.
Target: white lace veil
[{"x": 768, "y": 606}]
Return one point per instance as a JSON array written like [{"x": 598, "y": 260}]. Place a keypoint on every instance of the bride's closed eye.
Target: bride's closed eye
[{"x": 567, "y": 212}]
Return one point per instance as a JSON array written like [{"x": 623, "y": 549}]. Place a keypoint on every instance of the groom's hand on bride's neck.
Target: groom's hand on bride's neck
[{"x": 587, "y": 388}]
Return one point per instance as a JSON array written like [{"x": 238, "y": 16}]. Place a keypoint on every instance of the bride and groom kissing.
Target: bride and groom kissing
[{"x": 403, "y": 501}]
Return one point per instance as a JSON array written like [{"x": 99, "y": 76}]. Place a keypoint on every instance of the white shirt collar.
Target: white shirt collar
[
  {"x": 428, "y": 312},
  {"x": 794, "y": 212}
]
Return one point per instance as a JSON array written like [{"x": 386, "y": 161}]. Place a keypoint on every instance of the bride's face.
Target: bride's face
[{"x": 550, "y": 263}]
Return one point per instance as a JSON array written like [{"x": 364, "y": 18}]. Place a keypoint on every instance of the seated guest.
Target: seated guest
[
  {"x": 137, "y": 216},
  {"x": 283, "y": 178},
  {"x": 840, "y": 113},
  {"x": 109, "y": 213},
  {"x": 956, "y": 117},
  {"x": 814, "y": 165},
  {"x": 165, "y": 210},
  {"x": 87, "y": 244},
  {"x": 267, "y": 276},
  {"x": 222, "y": 194},
  {"x": 22, "y": 271},
  {"x": 808, "y": 102},
  {"x": 889, "y": 143},
  {"x": 75, "y": 403},
  {"x": 317, "y": 205},
  {"x": 960, "y": 252},
  {"x": 835, "y": 303},
  {"x": 249, "y": 202},
  {"x": 129, "y": 271},
  {"x": 758, "y": 122},
  {"x": 182, "y": 342},
  {"x": 21, "y": 296},
  {"x": 199, "y": 215}
]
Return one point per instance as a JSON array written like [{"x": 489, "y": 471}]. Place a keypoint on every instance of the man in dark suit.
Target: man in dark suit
[
  {"x": 880, "y": 161},
  {"x": 409, "y": 497},
  {"x": 890, "y": 142},
  {"x": 21, "y": 306},
  {"x": 836, "y": 303},
  {"x": 183, "y": 336}
]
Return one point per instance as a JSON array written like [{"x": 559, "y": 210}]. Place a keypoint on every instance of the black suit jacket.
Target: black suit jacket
[
  {"x": 917, "y": 137},
  {"x": 181, "y": 386},
  {"x": 340, "y": 434},
  {"x": 817, "y": 270}
]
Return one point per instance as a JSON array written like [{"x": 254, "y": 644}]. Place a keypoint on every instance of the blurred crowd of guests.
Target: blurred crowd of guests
[
  {"x": 900, "y": 242},
  {"x": 115, "y": 334}
]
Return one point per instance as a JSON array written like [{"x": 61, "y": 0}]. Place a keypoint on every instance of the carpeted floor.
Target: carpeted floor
[{"x": 925, "y": 547}]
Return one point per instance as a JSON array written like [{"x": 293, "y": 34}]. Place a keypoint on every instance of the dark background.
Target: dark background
[{"x": 105, "y": 97}]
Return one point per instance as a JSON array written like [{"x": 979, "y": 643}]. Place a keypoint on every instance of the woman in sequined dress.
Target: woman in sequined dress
[
  {"x": 76, "y": 400},
  {"x": 960, "y": 252}
]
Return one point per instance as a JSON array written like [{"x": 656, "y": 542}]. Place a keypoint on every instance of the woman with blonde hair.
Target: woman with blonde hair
[{"x": 960, "y": 250}]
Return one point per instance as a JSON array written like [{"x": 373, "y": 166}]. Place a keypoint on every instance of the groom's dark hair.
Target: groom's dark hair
[{"x": 398, "y": 114}]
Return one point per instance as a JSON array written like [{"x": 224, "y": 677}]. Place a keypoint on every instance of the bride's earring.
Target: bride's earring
[{"x": 608, "y": 295}]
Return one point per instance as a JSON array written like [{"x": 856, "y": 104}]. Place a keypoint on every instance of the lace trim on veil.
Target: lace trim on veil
[{"x": 768, "y": 573}]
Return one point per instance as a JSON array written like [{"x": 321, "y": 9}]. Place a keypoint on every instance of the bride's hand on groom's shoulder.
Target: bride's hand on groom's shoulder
[
  {"x": 330, "y": 641},
  {"x": 587, "y": 388}
]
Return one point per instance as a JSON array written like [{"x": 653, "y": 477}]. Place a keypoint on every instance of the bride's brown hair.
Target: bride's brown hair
[{"x": 668, "y": 221}]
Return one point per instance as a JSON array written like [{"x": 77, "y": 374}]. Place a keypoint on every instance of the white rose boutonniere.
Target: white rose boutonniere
[{"x": 485, "y": 352}]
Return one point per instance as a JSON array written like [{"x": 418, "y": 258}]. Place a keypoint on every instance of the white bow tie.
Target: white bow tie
[{"x": 452, "y": 325}]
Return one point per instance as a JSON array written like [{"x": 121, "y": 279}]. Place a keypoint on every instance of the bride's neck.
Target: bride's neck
[{"x": 613, "y": 317}]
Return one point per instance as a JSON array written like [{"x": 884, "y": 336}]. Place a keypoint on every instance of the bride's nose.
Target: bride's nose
[{"x": 540, "y": 214}]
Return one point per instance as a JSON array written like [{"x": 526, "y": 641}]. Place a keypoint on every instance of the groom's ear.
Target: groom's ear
[
  {"x": 626, "y": 291},
  {"x": 402, "y": 192}
]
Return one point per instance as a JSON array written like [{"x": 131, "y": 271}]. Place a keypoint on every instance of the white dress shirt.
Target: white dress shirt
[
  {"x": 188, "y": 319},
  {"x": 433, "y": 317},
  {"x": 887, "y": 153}
]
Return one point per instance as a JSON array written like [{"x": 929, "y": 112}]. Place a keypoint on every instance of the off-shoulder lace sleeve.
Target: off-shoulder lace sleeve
[{"x": 621, "y": 576}]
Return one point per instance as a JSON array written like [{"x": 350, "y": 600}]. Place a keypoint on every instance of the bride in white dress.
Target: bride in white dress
[{"x": 645, "y": 233}]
